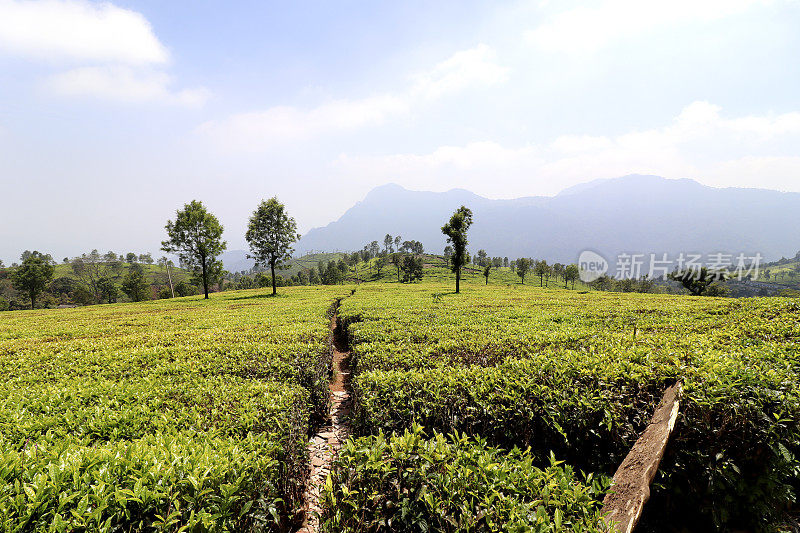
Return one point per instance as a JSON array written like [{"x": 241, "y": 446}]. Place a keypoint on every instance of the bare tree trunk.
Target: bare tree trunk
[
  {"x": 458, "y": 278},
  {"x": 272, "y": 268},
  {"x": 205, "y": 277}
]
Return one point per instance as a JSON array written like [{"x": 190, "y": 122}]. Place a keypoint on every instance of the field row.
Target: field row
[
  {"x": 580, "y": 374},
  {"x": 163, "y": 415}
]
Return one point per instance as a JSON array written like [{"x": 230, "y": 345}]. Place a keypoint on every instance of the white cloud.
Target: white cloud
[
  {"x": 78, "y": 30},
  {"x": 473, "y": 67},
  {"x": 124, "y": 84},
  {"x": 256, "y": 130},
  {"x": 698, "y": 143},
  {"x": 259, "y": 130},
  {"x": 588, "y": 28}
]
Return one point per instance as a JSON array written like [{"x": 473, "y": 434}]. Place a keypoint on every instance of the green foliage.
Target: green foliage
[
  {"x": 456, "y": 232},
  {"x": 702, "y": 282},
  {"x": 270, "y": 234},
  {"x": 453, "y": 484},
  {"x": 162, "y": 415},
  {"x": 580, "y": 374},
  {"x": 135, "y": 285},
  {"x": 196, "y": 236},
  {"x": 522, "y": 266},
  {"x": 412, "y": 268},
  {"x": 33, "y": 275}
]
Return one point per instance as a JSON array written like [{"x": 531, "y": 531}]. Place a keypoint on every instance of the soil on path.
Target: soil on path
[{"x": 325, "y": 445}]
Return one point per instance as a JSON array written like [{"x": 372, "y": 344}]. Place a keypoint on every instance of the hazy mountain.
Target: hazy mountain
[
  {"x": 634, "y": 214},
  {"x": 236, "y": 260}
]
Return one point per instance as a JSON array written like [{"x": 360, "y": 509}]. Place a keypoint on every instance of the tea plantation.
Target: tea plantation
[
  {"x": 166, "y": 415},
  {"x": 504, "y": 408},
  {"x": 579, "y": 374}
]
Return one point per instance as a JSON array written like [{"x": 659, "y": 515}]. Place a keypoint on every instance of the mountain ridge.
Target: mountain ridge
[{"x": 633, "y": 213}]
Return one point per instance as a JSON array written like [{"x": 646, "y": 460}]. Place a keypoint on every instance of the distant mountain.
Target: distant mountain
[
  {"x": 632, "y": 214},
  {"x": 236, "y": 261}
]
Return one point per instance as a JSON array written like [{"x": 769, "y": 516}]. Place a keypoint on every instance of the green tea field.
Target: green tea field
[{"x": 507, "y": 407}]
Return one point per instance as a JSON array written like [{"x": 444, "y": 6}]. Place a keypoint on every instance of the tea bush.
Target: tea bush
[
  {"x": 580, "y": 374},
  {"x": 454, "y": 484}
]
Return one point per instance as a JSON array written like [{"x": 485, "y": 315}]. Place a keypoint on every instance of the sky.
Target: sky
[{"x": 115, "y": 114}]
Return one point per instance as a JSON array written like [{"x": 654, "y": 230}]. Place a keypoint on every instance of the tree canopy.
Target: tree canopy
[
  {"x": 456, "y": 232},
  {"x": 270, "y": 234},
  {"x": 33, "y": 275},
  {"x": 196, "y": 236}
]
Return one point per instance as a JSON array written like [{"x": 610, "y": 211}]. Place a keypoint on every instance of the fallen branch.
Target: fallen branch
[{"x": 623, "y": 506}]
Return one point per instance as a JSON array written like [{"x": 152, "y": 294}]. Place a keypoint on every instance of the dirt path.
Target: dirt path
[{"x": 325, "y": 445}]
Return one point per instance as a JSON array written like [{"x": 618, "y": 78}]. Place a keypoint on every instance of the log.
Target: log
[{"x": 630, "y": 490}]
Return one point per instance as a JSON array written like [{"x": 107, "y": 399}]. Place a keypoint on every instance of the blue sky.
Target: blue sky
[{"x": 114, "y": 114}]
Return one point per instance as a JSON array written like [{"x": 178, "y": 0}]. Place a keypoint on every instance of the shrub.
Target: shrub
[{"x": 454, "y": 484}]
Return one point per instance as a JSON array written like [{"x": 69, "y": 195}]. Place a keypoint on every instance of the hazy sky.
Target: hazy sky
[{"x": 114, "y": 114}]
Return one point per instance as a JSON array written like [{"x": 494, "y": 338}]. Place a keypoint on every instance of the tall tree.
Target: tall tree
[
  {"x": 571, "y": 273},
  {"x": 33, "y": 275},
  {"x": 456, "y": 232},
  {"x": 374, "y": 248},
  {"x": 379, "y": 264},
  {"x": 486, "y": 271},
  {"x": 523, "y": 265},
  {"x": 541, "y": 269},
  {"x": 481, "y": 258},
  {"x": 271, "y": 233},
  {"x": 388, "y": 243},
  {"x": 135, "y": 285},
  {"x": 196, "y": 236},
  {"x": 412, "y": 268},
  {"x": 397, "y": 240},
  {"x": 397, "y": 261}
]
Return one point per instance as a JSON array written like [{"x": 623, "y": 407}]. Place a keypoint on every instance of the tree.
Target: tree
[
  {"x": 374, "y": 248},
  {"x": 388, "y": 242},
  {"x": 698, "y": 282},
  {"x": 131, "y": 257},
  {"x": 379, "y": 264},
  {"x": 481, "y": 258},
  {"x": 412, "y": 268},
  {"x": 523, "y": 265},
  {"x": 486, "y": 273},
  {"x": 497, "y": 262},
  {"x": 108, "y": 289},
  {"x": 146, "y": 258},
  {"x": 135, "y": 285},
  {"x": 271, "y": 233},
  {"x": 397, "y": 261},
  {"x": 196, "y": 236},
  {"x": 397, "y": 240},
  {"x": 541, "y": 269},
  {"x": 313, "y": 276},
  {"x": 33, "y": 275},
  {"x": 571, "y": 273},
  {"x": 558, "y": 270},
  {"x": 456, "y": 232},
  {"x": 448, "y": 253},
  {"x": 505, "y": 261}
]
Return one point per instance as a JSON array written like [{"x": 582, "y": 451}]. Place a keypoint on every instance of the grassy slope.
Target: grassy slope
[
  {"x": 156, "y": 274},
  {"x": 306, "y": 262},
  {"x": 435, "y": 270}
]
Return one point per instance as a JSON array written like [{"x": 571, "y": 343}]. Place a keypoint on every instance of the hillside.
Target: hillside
[
  {"x": 519, "y": 399},
  {"x": 635, "y": 214}
]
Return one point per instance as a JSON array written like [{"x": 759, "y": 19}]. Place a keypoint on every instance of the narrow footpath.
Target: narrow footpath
[{"x": 325, "y": 445}]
